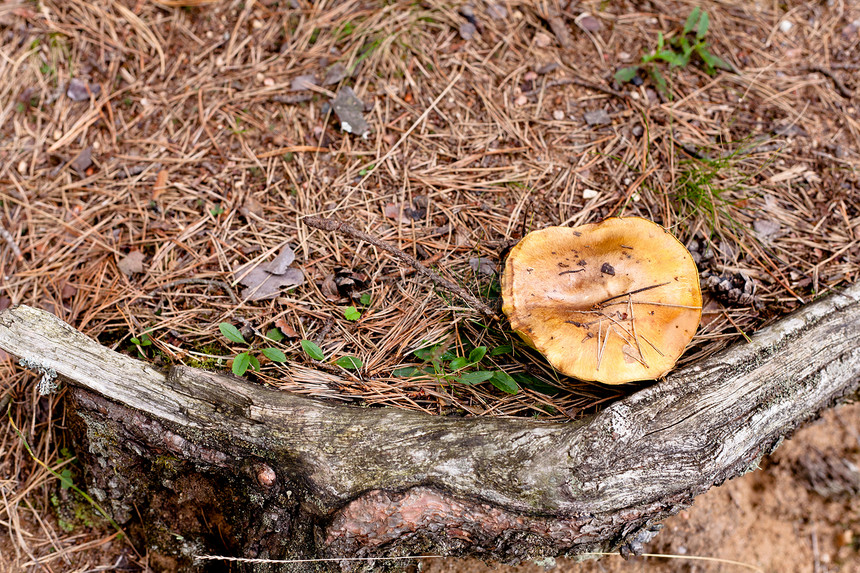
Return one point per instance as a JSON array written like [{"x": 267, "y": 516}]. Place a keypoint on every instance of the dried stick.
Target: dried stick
[
  {"x": 10, "y": 240},
  {"x": 340, "y": 227}
]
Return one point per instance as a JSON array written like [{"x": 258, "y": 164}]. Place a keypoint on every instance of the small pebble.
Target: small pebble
[
  {"x": 530, "y": 76},
  {"x": 590, "y": 193},
  {"x": 522, "y": 100},
  {"x": 268, "y": 82},
  {"x": 597, "y": 117},
  {"x": 467, "y": 30},
  {"x": 558, "y": 115},
  {"x": 256, "y": 24},
  {"x": 588, "y": 22},
  {"x": 22, "y": 167},
  {"x": 542, "y": 40},
  {"x": 785, "y": 26},
  {"x": 497, "y": 11}
]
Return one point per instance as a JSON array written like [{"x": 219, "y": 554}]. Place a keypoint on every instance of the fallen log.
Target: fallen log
[{"x": 197, "y": 463}]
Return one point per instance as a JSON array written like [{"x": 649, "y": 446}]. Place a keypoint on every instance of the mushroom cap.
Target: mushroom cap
[{"x": 613, "y": 302}]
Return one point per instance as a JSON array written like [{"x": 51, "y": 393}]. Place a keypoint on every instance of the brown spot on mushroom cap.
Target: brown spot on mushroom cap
[{"x": 630, "y": 325}]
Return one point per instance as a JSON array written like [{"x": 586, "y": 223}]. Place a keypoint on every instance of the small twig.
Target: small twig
[
  {"x": 340, "y": 227},
  {"x": 840, "y": 87},
  {"x": 10, "y": 240},
  {"x": 193, "y": 281}
]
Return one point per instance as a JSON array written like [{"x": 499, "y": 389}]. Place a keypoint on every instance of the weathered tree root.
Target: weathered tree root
[{"x": 213, "y": 464}]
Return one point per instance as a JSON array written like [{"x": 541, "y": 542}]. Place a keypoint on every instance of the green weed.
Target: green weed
[
  {"x": 677, "y": 52},
  {"x": 245, "y": 360},
  {"x": 141, "y": 343},
  {"x": 347, "y": 362},
  {"x": 448, "y": 367},
  {"x": 703, "y": 190}
]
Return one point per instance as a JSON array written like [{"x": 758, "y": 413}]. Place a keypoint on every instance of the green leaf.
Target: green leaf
[
  {"x": 458, "y": 362},
  {"x": 351, "y": 313},
  {"x": 275, "y": 334},
  {"x": 365, "y": 299},
  {"x": 659, "y": 41},
  {"x": 624, "y": 75},
  {"x": 66, "y": 479},
  {"x": 711, "y": 61},
  {"x": 145, "y": 340},
  {"x": 274, "y": 354},
  {"x": 673, "y": 58},
  {"x": 255, "y": 364},
  {"x": 504, "y": 382},
  {"x": 231, "y": 333},
  {"x": 135, "y": 341},
  {"x": 691, "y": 20},
  {"x": 470, "y": 378},
  {"x": 426, "y": 353},
  {"x": 530, "y": 381},
  {"x": 241, "y": 363},
  {"x": 503, "y": 349},
  {"x": 703, "y": 26},
  {"x": 407, "y": 372},
  {"x": 477, "y": 354},
  {"x": 685, "y": 46},
  {"x": 660, "y": 82},
  {"x": 312, "y": 350},
  {"x": 349, "y": 362}
]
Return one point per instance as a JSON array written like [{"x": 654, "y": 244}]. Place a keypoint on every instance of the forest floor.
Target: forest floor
[{"x": 154, "y": 153}]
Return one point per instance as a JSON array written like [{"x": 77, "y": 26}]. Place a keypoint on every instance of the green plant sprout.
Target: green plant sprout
[
  {"x": 245, "y": 360},
  {"x": 677, "y": 52},
  {"x": 347, "y": 362},
  {"x": 351, "y": 313},
  {"x": 448, "y": 367},
  {"x": 140, "y": 343},
  {"x": 704, "y": 186}
]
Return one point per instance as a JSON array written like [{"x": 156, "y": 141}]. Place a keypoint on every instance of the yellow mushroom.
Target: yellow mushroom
[{"x": 614, "y": 301}]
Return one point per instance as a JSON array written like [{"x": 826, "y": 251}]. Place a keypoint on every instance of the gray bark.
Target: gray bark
[{"x": 280, "y": 476}]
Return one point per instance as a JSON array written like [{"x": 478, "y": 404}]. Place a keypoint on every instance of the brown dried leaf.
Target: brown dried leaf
[
  {"x": 131, "y": 263},
  {"x": 160, "y": 184},
  {"x": 329, "y": 288},
  {"x": 251, "y": 207},
  {"x": 393, "y": 211},
  {"x": 286, "y": 329},
  {"x": 266, "y": 280}
]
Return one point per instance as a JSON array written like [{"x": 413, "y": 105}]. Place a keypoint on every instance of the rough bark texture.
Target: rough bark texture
[{"x": 213, "y": 464}]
